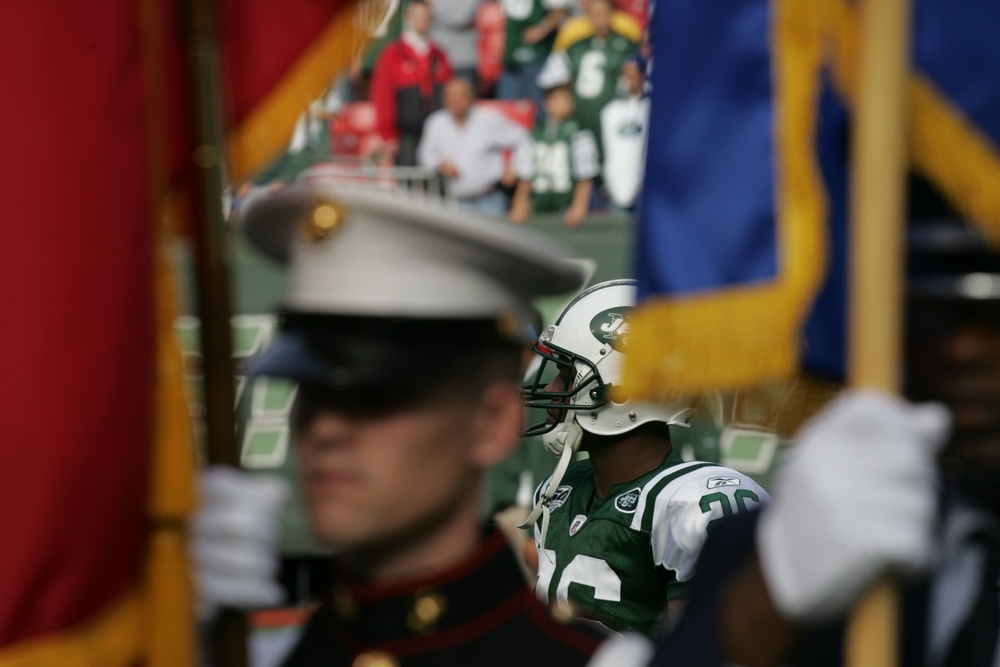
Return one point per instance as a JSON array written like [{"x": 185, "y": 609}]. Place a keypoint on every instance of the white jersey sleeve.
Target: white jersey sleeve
[
  {"x": 524, "y": 160},
  {"x": 583, "y": 155},
  {"x": 686, "y": 507},
  {"x": 556, "y": 71}
]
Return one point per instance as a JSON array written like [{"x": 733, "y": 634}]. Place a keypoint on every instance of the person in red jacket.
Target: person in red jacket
[{"x": 406, "y": 84}]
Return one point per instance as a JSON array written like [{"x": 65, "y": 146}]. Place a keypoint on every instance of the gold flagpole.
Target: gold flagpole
[{"x": 877, "y": 209}]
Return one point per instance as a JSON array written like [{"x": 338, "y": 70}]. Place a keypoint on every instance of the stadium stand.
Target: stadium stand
[{"x": 353, "y": 132}]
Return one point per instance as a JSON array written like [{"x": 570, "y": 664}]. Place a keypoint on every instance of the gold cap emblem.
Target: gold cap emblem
[{"x": 322, "y": 221}]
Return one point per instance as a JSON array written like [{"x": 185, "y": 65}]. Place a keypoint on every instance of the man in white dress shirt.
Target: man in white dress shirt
[{"x": 470, "y": 146}]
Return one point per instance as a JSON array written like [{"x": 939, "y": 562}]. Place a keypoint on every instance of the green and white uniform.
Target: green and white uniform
[
  {"x": 521, "y": 15},
  {"x": 559, "y": 155},
  {"x": 619, "y": 559}
]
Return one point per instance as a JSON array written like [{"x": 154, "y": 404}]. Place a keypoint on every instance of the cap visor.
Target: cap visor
[{"x": 289, "y": 357}]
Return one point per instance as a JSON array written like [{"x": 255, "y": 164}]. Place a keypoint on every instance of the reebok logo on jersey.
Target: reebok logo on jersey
[
  {"x": 716, "y": 482},
  {"x": 577, "y": 524},
  {"x": 628, "y": 501},
  {"x": 559, "y": 497}
]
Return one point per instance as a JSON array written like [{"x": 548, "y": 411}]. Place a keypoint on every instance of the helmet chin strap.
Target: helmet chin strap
[
  {"x": 565, "y": 442},
  {"x": 557, "y": 440}
]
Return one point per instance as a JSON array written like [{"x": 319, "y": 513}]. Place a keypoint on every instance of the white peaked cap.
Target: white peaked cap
[{"x": 361, "y": 252}]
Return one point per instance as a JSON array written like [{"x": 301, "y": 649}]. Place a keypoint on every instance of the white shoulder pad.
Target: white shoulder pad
[{"x": 684, "y": 508}]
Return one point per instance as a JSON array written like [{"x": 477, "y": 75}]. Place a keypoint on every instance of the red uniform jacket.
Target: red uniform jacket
[{"x": 406, "y": 87}]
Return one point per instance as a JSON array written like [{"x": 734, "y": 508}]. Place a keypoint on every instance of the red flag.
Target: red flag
[
  {"x": 76, "y": 292},
  {"x": 96, "y": 136}
]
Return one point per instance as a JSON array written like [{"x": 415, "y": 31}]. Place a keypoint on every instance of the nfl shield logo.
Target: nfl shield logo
[{"x": 578, "y": 522}]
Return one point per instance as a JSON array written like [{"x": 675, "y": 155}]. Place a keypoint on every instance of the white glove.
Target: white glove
[
  {"x": 856, "y": 498},
  {"x": 556, "y": 71},
  {"x": 234, "y": 537}
]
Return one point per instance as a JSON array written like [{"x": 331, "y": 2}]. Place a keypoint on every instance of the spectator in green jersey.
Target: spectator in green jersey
[
  {"x": 592, "y": 65},
  {"x": 530, "y": 33},
  {"x": 556, "y": 170}
]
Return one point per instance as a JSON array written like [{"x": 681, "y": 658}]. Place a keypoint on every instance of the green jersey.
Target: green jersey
[
  {"x": 619, "y": 559},
  {"x": 594, "y": 65},
  {"x": 560, "y": 155},
  {"x": 521, "y": 15}
]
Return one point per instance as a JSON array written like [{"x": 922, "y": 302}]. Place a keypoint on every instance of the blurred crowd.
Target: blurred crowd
[{"x": 519, "y": 106}]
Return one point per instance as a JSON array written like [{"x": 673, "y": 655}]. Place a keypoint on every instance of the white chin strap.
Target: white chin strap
[{"x": 564, "y": 441}]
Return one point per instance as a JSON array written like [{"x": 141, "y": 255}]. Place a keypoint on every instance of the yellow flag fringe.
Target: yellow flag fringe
[
  {"x": 768, "y": 315},
  {"x": 265, "y": 132},
  {"x": 947, "y": 148},
  {"x": 169, "y": 610},
  {"x": 111, "y": 639},
  {"x": 955, "y": 155},
  {"x": 168, "y": 625}
]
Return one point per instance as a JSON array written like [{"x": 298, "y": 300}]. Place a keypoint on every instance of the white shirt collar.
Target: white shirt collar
[{"x": 416, "y": 42}]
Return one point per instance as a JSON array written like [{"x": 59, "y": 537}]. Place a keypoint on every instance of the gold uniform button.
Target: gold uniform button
[
  {"x": 427, "y": 609},
  {"x": 375, "y": 659},
  {"x": 324, "y": 219}
]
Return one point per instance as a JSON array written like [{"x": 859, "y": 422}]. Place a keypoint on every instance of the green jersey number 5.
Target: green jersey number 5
[{"x": 590, "y": 77}]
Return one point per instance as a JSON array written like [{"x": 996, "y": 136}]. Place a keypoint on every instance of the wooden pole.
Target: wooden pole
[
  {"x": 877, "y": 208},
  {"x": 228, "y": 635}
]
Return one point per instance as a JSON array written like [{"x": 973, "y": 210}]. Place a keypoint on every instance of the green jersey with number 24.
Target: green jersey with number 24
[{"x": 619, "y": 559}]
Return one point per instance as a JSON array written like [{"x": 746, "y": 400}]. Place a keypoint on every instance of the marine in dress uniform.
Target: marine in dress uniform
[
  {"x": 479, "y": 612},
  {"x": 405, "y": 326}
]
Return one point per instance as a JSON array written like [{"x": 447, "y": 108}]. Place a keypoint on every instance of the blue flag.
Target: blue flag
[{"x": 740, "y": 252}]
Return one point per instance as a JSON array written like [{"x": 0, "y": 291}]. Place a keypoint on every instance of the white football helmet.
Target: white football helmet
[{"x": 587, "y": 345}]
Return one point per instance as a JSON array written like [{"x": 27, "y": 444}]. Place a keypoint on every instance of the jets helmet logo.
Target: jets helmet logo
[
  {"x": 611, "y": 326},
  {"x": 716, "y": 482},
  {"x": 577, "y": 524}
]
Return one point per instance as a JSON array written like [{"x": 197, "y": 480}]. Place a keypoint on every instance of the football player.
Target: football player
[{"x": 617, "y": 535}]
